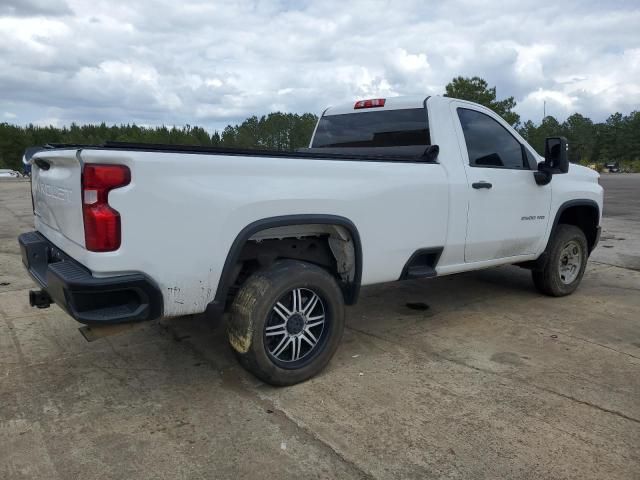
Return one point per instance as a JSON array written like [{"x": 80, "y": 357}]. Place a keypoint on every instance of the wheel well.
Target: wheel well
[
  {"x": 585, "y": 217},
  {"x": 332, "y": 247}
]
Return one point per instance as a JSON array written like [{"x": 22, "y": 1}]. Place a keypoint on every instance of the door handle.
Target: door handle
[{"x": 482, "y": 184}]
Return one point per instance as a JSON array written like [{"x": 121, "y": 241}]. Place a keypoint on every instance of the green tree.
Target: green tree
[
  {"x": 215, "y": 139},
  {"x": 476, "y": 89},
  {"x": 581, "y": 135},
  {"x": 228, "y": 138},
  {"x": 612, "y": 136}
]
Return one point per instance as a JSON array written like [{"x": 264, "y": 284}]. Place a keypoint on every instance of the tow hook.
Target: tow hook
[{"x": 40, "y": 299}]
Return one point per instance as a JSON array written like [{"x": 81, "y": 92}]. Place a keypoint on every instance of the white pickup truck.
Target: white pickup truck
[{"x": 390, "y": 189}]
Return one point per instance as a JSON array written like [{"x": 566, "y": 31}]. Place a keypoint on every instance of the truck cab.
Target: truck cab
[{"x": 497, "y": 212}]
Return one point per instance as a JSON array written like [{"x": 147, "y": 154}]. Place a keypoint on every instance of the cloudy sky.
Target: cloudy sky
[{"x": 209, "y": 63}]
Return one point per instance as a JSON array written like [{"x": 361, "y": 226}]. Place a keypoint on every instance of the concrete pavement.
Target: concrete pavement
[{"x": 486, "y": 379}]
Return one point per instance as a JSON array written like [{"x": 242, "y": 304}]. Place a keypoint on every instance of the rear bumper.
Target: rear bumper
[{"x": 126, "y": 298}]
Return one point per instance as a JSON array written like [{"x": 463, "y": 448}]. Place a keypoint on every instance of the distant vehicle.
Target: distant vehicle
[
  {"x": 7, "y": 173},
  {"x": 389, "y": 189},
  {"x": 613, "y": 167}
]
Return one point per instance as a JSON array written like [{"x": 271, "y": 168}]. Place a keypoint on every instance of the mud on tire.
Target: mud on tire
[{"x": 286, "y": 322}]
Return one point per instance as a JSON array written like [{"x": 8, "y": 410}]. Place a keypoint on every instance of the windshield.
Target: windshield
[{"x": 386, "y": 128}]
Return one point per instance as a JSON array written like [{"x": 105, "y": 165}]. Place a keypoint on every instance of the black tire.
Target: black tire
[
  {"x": 253, "y": 311},
  {"x": 549, "y": 280}
]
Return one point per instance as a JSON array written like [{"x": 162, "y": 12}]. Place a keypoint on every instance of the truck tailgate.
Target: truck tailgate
[{"x": 56, "y": 189}]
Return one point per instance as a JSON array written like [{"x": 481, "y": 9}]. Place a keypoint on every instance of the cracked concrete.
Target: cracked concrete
[{"x": 492, "y": 380}]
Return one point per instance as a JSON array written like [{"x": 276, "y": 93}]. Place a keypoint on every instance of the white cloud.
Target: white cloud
[
  {"x": 529, "y": 62},
  {"x": 558, "y": 104},
  {"x": 214, "y": 62},
  {"x": 407, "y": 62},
  {"x": 25, "y": 8}
]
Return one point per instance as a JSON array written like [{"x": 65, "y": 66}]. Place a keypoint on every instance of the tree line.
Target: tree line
[
  {"x": 615, "y": 140},
  {"x": 275, "y": 131}
]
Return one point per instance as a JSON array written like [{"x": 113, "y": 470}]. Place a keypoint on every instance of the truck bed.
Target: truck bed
[{"x": 186, "y": 205}]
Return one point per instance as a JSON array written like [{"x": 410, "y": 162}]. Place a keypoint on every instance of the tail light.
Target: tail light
[
  {"x": 101, "y": 222},
  {"x": 372, "y": 103}
]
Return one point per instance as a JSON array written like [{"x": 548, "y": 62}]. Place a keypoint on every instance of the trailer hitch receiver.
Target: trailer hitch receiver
[{"x": 39, "y": 298}]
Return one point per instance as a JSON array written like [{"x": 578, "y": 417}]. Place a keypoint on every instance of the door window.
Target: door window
[{"x": 489, "y": 144}]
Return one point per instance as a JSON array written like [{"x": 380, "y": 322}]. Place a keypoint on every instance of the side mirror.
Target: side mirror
[
  {"x": 556, "y": 155},
  {"x": 542, "y": 175}
]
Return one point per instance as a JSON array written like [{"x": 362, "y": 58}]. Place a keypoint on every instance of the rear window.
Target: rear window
[{"x": 387, "y": 128}]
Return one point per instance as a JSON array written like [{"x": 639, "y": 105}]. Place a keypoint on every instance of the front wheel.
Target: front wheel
[
  {"x": 286, "y": 322},
  {"x": 565, "y": 264}
]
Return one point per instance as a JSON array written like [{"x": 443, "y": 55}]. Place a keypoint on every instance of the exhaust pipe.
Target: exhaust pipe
[{"x": 39, "y": 299}]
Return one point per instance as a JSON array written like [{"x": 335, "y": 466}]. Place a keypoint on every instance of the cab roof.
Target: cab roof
[{"x": 390, "y": 103}]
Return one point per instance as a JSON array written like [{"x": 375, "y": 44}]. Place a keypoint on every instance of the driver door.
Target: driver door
[{"x": 507, "y": 210}]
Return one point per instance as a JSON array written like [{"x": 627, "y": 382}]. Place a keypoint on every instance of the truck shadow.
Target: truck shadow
[{"x": 382, "y": 309}]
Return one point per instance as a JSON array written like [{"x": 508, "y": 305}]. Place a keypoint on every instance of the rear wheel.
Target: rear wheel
[
  {"x": 565, "y": 264},
  {"x": 286, "y": 322}
]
